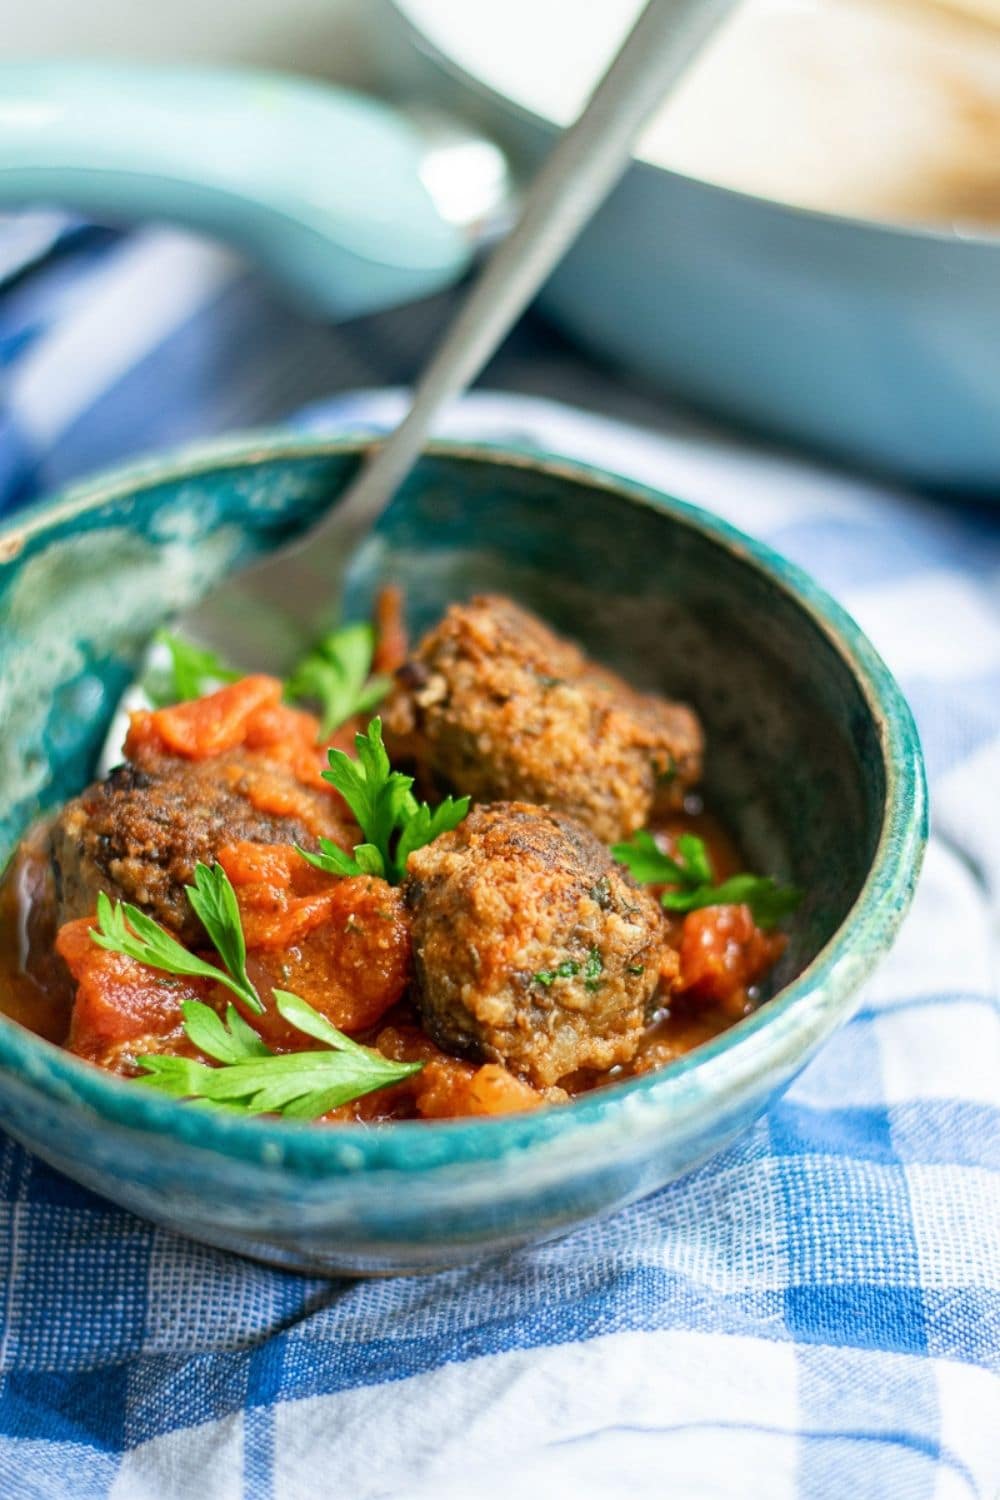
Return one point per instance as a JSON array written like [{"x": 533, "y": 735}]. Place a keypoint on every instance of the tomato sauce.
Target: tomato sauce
[{"x": 343, "y": 945}]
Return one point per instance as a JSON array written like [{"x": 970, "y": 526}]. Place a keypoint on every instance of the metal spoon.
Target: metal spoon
[{"x": 264, "y": 617}]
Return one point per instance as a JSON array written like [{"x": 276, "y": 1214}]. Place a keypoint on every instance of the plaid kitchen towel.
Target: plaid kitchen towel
[{"x": 815, "y": 1313}]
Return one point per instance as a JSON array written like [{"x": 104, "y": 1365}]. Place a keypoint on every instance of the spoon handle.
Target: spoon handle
[{"x": 575, "y": 178}]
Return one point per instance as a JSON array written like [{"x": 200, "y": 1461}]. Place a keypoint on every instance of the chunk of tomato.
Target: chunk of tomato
[
  {"x": 122, "y": 1008},
  {"x": 723, "y": 953},
  {"x": 342, "y": 943}
]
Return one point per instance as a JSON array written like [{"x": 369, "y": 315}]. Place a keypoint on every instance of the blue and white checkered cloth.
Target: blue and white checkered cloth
[{"x": 814, "y": 1314}]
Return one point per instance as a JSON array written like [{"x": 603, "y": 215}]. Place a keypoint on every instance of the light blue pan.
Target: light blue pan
[{"x": 874, "y": 343}]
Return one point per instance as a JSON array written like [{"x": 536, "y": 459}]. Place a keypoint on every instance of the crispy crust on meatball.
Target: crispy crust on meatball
[
  {"x": 138, "y": 834},
  {"x": 532, "y": 948},
  {"x": 494, "y": 704}
]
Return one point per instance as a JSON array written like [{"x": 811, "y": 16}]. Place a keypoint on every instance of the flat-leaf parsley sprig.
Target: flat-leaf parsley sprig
[
  {"x": 251, "y": 1079},
  {"x": 691, "y": 880},
  {"x": 393, "y": 823},
  {"x": 337, "y": 675},
  {"x": 123, "y": 928}
]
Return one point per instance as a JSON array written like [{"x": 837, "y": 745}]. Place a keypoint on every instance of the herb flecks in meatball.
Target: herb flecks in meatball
[
  {"x": 494, "y": 704},
  {"x": 531, "y": 947}
]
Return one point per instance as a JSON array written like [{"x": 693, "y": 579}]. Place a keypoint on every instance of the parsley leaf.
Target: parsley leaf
[
  {"x": 424, "y": 824},
  {"x": 254, "y": 1080},
  {"x": 366, "y": 859},
  {"x": 391, "y": 819},
  {"x": 692, "y": 880},
  {"x": 213, "y": 900},
  {"x": 298, "y": 1013},
  {"x": 123, "y": 928},
  {"x": 192, "y": 672},
  {"x": 379, "y": 797},
  {"x": 768, "y": 901},
  {"x": 336, "y": 674},
  {"x": 694, "y": 859},
  {"x": 649, "y": 865},
  {"x": 228, "y": 1041},
  {"x": 180, "y": 1077}
]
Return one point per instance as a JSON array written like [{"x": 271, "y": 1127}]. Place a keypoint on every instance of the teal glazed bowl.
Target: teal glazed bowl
[{"x": 813, "y": 759}]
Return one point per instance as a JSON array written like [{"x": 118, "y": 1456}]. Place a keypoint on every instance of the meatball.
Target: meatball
[
  {"x": 138, "y": 834},
  {"x": 494, "y": 704},
  {"x": 531, "y": 947}
]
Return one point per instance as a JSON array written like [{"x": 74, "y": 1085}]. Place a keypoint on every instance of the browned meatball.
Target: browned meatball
[
  {"x": 138, "y": 834},
  {"x": 532, "y": 948},
  {"x": 494, "y": 704}
]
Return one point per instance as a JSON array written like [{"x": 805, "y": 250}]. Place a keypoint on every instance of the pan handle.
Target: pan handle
[{"x": 324, "y": 187}]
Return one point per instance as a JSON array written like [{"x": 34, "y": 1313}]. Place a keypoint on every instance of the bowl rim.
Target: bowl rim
[
  {"x": 777, "y": 1038},
  {"x": 955, "y": 234}
]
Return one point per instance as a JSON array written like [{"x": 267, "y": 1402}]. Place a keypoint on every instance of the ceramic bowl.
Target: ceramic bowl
[{"x": 813, "y": 759}]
